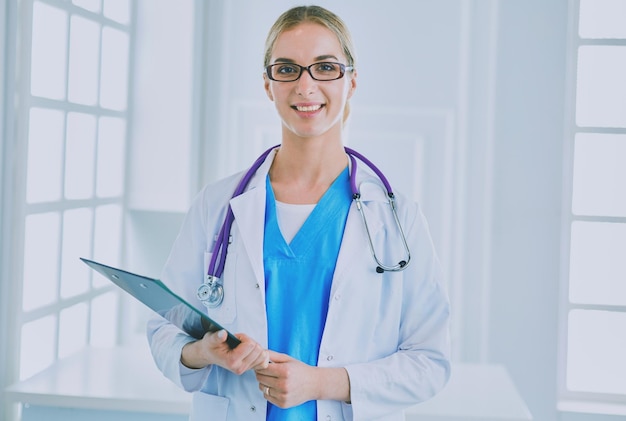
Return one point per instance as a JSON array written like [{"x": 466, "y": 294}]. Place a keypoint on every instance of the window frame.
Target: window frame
[
  {"x": 8, "y": 53},
  {"x": 14, "y": 122},
  {"x": 568, "y": 400}
]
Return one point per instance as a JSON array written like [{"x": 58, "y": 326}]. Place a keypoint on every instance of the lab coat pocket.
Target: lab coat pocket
[
  {"x": 226, "y": 312},
  {"x": 203, "y": 404}
]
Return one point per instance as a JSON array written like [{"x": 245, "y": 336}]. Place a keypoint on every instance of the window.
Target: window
[
  {"x": 594, "y": 270},
  {"x": 73, "y": 120}
]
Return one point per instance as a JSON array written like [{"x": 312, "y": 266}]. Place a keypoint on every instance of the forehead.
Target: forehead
[{"x": 305, "y": 42}]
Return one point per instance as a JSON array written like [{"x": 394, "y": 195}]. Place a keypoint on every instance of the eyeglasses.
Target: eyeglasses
[{"x": 290, "y": 72}]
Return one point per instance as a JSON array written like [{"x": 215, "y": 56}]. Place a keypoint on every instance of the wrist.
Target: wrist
[
  {"x": 190, "y": 356},
  {"x": 332, "y": 383}
]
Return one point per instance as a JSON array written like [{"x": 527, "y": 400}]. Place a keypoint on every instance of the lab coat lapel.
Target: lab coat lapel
[{"x": 249, "y": 211}]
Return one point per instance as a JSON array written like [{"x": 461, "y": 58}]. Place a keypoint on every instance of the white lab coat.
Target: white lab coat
[{"x": 390, "y": 331}]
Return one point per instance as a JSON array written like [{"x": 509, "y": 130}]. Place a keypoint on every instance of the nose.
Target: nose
[{"x": 305, "y": 84}]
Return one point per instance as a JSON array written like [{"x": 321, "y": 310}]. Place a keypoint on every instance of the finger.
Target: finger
[
  {"x": 261, "y": 377},
  {"x": 268, "y": 392},
  {"x": 246, "y": 346},
  {"x": 263, "y": 387},
  {"x": 254, "y": 357},
  {"x": 262, "y": 361},
  {"x": 278, "y": 357}
]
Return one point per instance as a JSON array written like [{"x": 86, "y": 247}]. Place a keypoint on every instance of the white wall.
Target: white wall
[
  {"x": 161, "y": 173},
  {"x": 529, "y": 134},
  {"x": 163, "y": 162}
]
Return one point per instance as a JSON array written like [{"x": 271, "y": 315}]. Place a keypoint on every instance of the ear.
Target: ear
[
  {"x": 353, "y": 84},
  {"x": 266, "y": 84}
]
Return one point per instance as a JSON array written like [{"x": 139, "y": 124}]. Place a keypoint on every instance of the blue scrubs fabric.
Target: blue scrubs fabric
[{"x": 298, "y": 278}]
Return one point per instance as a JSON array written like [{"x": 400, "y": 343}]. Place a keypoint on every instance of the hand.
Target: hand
[
  {"x": 287, "y": 382},
  {"x": 213, "y": 349}
]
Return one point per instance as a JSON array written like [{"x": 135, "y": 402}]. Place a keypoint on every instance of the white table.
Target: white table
[
  {"x": 102, "y": 384},
  {"x": 122, "y": 384}
]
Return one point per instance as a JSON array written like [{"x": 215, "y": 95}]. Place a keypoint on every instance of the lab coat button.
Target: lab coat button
[
  {"x": 328, "y": 418},
  {"x": 329, "y": 358},
  {"x": 257, "y": 286},
  {"x": 337, "y": 297},
  {"x": 252, "y": 408}
]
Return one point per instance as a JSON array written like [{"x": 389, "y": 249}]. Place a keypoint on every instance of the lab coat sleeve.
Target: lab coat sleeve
[
  {"x": 166, "y": 344},
  {"x": 182, "y": 273},
  {"x": 420, "y": 367}
]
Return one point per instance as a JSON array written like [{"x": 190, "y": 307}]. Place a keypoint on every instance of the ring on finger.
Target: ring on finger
[{"x": 267, "y": 391}]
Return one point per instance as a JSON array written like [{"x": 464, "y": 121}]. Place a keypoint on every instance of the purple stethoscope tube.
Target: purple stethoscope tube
[{"x": 211, "y": 292}]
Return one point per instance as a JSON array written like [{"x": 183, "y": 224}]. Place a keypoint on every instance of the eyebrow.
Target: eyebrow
[{"x": 316, "y": 59}]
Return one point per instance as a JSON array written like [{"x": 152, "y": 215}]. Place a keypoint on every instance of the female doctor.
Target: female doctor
[{"x": 326, "y": 333}]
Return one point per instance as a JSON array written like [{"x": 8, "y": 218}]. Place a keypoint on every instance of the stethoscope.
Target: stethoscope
[{"x": 211, "y": 292}]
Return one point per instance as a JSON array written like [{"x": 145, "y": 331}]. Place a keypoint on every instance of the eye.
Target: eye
[
  {"x": 286, "y": 69},
  {"x": 327, "y": 67}
]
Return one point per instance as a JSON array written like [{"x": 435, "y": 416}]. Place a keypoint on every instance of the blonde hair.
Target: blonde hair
[{"x": 315, "y": 14}]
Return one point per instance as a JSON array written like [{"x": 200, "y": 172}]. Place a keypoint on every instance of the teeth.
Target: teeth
[{"x": 309, "y": 108}]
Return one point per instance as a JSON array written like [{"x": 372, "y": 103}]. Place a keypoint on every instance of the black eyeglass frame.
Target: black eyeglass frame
[{"x": 342, "y": 70}]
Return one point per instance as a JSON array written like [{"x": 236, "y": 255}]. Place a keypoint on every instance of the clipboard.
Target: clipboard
[{"x": 158, "y": 297}]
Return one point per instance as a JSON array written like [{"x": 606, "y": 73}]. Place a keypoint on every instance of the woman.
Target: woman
[{"x": 344, "y": 341}]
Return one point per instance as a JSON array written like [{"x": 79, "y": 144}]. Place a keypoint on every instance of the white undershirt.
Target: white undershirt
[{"x": 291, "y": 218}]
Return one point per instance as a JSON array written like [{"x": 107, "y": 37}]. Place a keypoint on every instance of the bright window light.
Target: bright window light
[
  {"x": 77, "y": 234},
  {"x": 118, "y": 10},
  {"x": 596, "y": 349},
  {"x": 597, "y": 264},
  {"x": 107, "y": 237},
  {"x": 45, "y": 155},
  {"x": 599, "y": 174},
  {"x": 41, "y": 251},
  {"x": 80, "y": 149},
  {"x": 37, "y": 345},
  {"x": 602, "y": 19},
  {"x": 104, "y": 311},
  {"x": 601, "y": 86},
  {"x": 73, "y": 329},
  {"x": 84, "y": 62},
  {"x": 91, "y": 5},
  {"x": 114, "y": 69},
  {"x": 111, "y": 156},
  {"x": 49, "y": 52}
]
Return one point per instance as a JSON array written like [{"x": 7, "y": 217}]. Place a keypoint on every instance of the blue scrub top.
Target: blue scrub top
[{"x": 298, "y": 278}]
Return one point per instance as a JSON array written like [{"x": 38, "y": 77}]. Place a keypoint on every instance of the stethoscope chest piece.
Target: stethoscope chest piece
[{"x": 211, "y": 292}]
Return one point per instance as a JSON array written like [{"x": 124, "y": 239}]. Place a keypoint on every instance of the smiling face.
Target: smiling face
[{"x": 310, "y": 108}]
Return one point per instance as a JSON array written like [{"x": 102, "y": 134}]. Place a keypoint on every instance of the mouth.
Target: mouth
[{"x": 307, "y": 108}]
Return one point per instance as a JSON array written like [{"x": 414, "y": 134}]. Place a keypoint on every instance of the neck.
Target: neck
[{"x": 303, "y": 169}]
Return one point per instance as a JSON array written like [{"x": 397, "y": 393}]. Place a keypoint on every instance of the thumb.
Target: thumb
[{"x": 219, "y": 336}]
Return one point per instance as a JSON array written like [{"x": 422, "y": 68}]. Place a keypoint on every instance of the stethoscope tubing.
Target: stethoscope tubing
[
  {"x": 216, "y": 267},
  {"x": 223, "y": 238},
  {"x": 356, "y": 196},
  {"x": 352, "y": 153}
]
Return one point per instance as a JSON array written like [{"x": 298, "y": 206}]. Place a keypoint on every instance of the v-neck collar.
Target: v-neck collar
[{"x": 314, "y": 226}]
